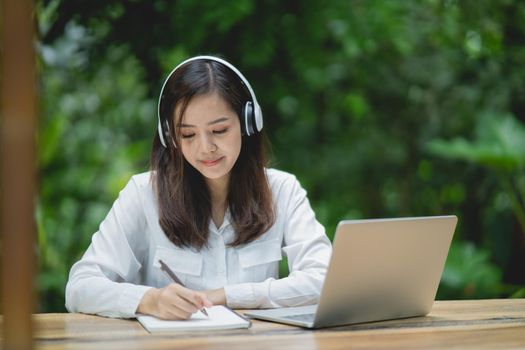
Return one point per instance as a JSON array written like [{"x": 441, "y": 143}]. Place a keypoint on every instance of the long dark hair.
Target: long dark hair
[{"x": 183, "y": 199}]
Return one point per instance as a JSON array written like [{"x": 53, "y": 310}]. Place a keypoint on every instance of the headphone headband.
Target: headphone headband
[{"x": 251, "y": 126}]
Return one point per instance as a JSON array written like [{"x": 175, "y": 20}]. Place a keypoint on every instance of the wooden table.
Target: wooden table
[{"x": 472, "y": 324}]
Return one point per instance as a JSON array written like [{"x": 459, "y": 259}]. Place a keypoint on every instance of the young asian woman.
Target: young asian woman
[{"x": 209, "y": 208}]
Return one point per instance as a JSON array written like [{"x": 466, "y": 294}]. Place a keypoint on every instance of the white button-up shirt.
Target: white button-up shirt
[{"x": 121, "y": 263}]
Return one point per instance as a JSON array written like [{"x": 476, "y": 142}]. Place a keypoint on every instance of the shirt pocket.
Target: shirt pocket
[
  {"x": 186, "y": 265},
  {"x": 260, "y": 260}
]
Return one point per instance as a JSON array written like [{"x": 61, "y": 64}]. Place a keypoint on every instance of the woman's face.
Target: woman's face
[{"x": 210, "y": 137}]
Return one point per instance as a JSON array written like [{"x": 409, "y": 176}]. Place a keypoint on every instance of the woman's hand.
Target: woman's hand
[
  {"x": 216, "y": 296},
  {"x": 173, "y": 302}
]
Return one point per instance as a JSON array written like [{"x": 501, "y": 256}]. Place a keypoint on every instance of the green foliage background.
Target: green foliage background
[{"x": 381, "y": 108}]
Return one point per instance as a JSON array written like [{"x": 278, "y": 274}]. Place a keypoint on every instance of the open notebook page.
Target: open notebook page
[{"x": 220, "y": 317}]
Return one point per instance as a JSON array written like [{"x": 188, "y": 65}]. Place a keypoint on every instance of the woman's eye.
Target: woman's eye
[
  {"x": 222, "y": 131},
  {"x": 187, "y": 136}
]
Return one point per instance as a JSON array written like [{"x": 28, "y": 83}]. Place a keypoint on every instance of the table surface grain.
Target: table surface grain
[{"x": 465, "y": 324}]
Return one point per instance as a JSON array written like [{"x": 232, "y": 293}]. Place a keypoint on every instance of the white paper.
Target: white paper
[{"x": 220, "y": 317}]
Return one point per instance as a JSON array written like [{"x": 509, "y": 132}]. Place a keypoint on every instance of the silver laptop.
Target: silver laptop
[{"x": 380, "y": 269}]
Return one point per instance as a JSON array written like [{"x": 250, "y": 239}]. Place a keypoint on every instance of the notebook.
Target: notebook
[
  {"x": 219, "y": 317},
  {"x": 380, "y": 269}
]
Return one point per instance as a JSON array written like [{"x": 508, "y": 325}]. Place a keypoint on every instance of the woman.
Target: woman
[{"x": 209, "y": 209}]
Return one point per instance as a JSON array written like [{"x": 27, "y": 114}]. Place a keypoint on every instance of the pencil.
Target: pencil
[{"x": 175, "y": 279}]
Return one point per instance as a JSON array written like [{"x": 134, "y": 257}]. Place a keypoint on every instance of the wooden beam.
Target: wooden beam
[{"x": 17, "y": 175}]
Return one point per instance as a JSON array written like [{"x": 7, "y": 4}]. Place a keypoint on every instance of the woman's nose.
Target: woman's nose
[{"x": 207, "y": 143}]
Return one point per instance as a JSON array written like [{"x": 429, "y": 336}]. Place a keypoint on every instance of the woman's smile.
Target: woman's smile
[{"x": 211, "y": 162}]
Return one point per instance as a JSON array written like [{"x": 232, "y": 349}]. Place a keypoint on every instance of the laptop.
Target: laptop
[{"x": 380, "y": 269}]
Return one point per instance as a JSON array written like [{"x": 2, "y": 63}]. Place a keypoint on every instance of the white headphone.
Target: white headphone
[{"x": 251, "y": 116}]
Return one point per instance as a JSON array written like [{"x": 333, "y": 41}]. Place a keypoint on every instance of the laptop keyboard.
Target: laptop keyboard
[{"x": 302, "y": 317}]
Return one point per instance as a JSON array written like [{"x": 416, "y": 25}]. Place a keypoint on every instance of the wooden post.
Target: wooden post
[{"x": 17, "y": 176}]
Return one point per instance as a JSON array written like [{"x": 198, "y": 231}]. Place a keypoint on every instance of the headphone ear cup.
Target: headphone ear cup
[
  {"x": 248, "y": 119},
  {"x": 258, "y": 118}
]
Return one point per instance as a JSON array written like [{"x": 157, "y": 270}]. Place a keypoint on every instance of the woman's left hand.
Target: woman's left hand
[{"x": 216, "y": 296}]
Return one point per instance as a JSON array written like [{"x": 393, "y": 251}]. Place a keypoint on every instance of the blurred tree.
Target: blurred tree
[
  {"x": 352, "y": 92},
  {"x": 90, "y": 143},
  {"x": 500, "y": 146}
]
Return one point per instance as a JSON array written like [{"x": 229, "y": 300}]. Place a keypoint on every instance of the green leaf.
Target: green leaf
[{"x": 500, "y": 144}]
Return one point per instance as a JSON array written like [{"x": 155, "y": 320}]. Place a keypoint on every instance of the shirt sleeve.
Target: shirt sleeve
[
  {"x": 105, "y": 281},
  {"x": 308, "y": 250}
]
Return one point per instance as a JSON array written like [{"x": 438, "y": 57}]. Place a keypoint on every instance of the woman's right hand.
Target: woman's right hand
[{"x": 173, "y": 302}]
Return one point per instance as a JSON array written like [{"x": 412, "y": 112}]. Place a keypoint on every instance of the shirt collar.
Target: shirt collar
[{"x": 225, "y": 223}]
